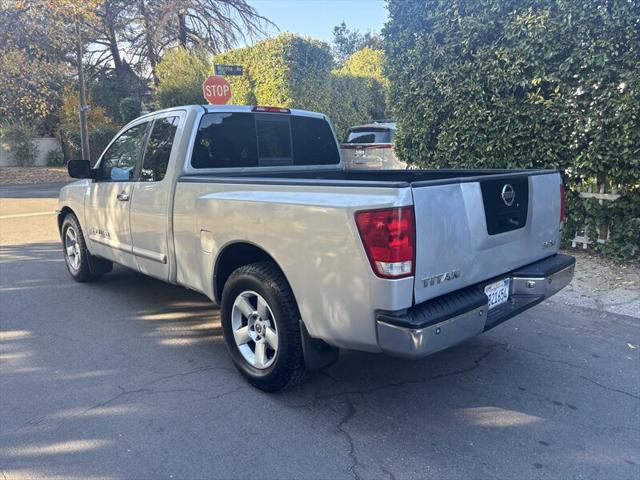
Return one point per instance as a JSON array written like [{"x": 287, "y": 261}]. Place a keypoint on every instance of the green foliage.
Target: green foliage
[
  {"x": 180, "y": 76},
  {"x": 20, "y": 139},
  {"x": 368, "y": 85},
  {"x": 99, "y": 138},
  {"x": 130, "y": 109},
  {"x": 109, "y": 89},
  {"x": 55, "y": 158},
  {"x": 287, "y": 71},
  {"x": 33, "y": 49},
  {"x": 69, "y": 118},
  {"x": 506, "y": 83},
  {"x": 346, "y": 41},
  {"x": 351, "y": 102},
  {"x": 622, "y": 217},
  {"x": 368, "y": 63},
  {"x": 295, "y": 72}
]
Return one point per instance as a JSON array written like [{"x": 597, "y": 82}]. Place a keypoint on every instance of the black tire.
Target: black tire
[
  {"x": 288, "y": 368},
  {"x": 87, "y": 268}
]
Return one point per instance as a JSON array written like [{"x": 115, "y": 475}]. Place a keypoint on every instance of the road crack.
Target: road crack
[
  {"x": 362, "y": 393},
  {"x": 351, "y": 410},
  {"x": 546, "y": 357},
  {"x": 611, "y": 389},
  {"x": 181, "y": 374}
]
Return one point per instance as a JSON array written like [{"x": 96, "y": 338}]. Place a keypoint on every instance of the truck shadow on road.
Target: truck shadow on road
[{"x": 150, "y": 379}]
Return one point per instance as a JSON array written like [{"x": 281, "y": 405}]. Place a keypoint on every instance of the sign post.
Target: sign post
[{"x": 216, "y": 90}]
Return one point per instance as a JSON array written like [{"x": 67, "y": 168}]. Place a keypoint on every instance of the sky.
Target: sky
[{"x": 316, "y": 18}]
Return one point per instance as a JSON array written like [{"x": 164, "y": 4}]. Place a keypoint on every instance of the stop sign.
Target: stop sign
[{"x": 216, "y": 90}]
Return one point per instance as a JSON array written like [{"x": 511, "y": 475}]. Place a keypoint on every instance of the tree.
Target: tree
[
  {"x": 38, "y": 44},
  {"x": 180, "y": 76},
  {"x": 35, "y": 57},
  {"x": 346, "y": 42},
  {"x": 96, "y": 118},
  {"x": 214, "y": 25},
  {"x": 108, "y": 28}
]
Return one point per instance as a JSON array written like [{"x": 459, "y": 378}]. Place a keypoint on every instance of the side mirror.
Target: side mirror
[{"x": 80, "y": 169}]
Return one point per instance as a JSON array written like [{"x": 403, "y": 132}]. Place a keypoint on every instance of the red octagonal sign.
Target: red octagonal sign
[{"x": 216, "y": 90}]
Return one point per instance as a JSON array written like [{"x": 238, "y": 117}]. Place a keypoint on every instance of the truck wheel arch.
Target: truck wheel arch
[
  {"x": 317, "y": 353},
  {"x": 64, "y": 211},
  {"x": 234, "y": 256}
]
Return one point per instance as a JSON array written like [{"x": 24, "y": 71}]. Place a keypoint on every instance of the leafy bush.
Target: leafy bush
[
  {"x": 351, "y": 102},
  {"x": 503, "y": 84},
  {"x": 361, "y": 95},
  {"x": 180, "y": 75},
  {"x": 287, "y": 71},
  {"x": 130, "y": 109},
  {"x": 55, "y": 158},
  {"x": 98, "y": 141},
  {"x": 20, "y": 139},
  {"x": 295, "y": 72}
]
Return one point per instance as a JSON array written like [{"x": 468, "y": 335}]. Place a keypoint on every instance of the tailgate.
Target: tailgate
[{"x": 470, "y": 230}]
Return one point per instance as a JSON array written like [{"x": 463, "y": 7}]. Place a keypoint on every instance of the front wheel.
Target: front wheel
[
  {"x": 261, "y": 327},
  {"x": 82, "y": 266}
]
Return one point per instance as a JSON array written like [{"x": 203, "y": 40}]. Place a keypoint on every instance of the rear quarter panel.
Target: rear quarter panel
[{"x": 310, "y": 232}]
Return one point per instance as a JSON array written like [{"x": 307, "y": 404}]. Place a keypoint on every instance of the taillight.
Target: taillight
[
  {"x": 388, "y": 237},
  {"x": 562, "y": 217}
]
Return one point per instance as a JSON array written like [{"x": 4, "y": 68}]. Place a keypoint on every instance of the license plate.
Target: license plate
[{"x": 497, "y": 293}]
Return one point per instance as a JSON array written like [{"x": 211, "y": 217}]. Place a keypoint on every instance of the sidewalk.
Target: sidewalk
[
  {"x": 602, "y": 285},
  {"x": 30, "y": 175}
]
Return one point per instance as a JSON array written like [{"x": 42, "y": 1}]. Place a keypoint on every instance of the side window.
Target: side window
[
  {"x": 156, "y": 157},
  {"x": 119, "y": 161}
]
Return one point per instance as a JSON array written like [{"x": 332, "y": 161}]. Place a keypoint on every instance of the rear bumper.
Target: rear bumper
[{"x": 453, "y": 318}]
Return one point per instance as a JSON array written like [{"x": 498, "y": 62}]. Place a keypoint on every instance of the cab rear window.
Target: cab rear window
[{"x": 229, "y": 140}]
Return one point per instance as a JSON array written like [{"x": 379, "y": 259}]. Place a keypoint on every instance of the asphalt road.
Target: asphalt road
[{"x": 129, "y": 378}]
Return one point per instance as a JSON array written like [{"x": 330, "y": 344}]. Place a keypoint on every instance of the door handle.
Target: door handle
[{"x": 123, "y": 196}]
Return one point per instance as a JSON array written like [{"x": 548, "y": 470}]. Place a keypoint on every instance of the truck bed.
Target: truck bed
[
  {"x": 465, "y": 228},
  {"x": 370, "y": 178}
]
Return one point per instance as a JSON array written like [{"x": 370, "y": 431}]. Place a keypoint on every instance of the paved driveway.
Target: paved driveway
[{"x": 129, "y": 378}]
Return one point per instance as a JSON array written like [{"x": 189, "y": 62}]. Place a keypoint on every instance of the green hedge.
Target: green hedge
[
  {"x": 180, "y": 76},
  {"x": 540, "y": 83},
  {"x": 286, "y": 71}
]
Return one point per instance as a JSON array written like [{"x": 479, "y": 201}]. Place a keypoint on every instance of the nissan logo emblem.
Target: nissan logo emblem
[{"x": 508, "y": 195}]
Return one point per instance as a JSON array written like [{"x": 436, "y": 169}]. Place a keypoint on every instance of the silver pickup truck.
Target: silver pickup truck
[{"x": 252, "y": 207}]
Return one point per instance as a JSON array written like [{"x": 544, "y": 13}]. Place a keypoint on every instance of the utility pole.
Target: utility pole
[{"x": 84, "y": 108}]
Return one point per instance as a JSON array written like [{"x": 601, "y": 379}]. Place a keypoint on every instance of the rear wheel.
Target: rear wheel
[
  {"x": 261, "y": 327},
  {"x": 82, "y": 266}
]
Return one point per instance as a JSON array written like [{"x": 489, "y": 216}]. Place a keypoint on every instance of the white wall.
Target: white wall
[{"x": 44, "y": 145}]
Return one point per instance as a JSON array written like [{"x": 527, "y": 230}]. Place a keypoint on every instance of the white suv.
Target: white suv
[{"x": 370, "y": 146}]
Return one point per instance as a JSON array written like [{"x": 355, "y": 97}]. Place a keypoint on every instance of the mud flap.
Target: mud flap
[{"x": 317, "y": 353}]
